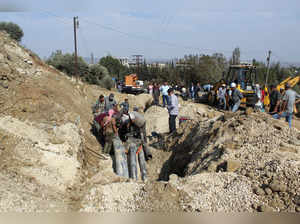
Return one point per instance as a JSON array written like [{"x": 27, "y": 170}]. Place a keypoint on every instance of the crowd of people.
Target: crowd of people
[
  {"x": 115, "y": 120},
  {"x": 193, "y": 92},
  {"x": 281, "y": 101}
]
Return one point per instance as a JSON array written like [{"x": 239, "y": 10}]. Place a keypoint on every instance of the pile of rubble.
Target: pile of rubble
[{"x": 259, "y": 149}]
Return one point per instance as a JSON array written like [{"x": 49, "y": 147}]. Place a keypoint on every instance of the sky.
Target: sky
[{"x": 160, "y": 29}]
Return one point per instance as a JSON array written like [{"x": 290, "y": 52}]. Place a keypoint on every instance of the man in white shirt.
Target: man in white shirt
[{"x": 164, "y": 92}]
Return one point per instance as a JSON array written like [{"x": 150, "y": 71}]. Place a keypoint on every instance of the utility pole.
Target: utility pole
[
  {"x": 138, "y": 61},
  {"x": 76, "y": 24},
  {"x": 268, "y": 66}
]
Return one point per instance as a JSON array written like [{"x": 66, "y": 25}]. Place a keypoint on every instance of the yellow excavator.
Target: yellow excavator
[{"x": 245, "y": 76}]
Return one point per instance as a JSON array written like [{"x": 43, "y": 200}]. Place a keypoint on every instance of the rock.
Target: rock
[
  {"x": 268, "y": 191},
  {"x": 297, "y": 200},
  {"x": 276, "y": 186},
  {"x": 233, "y": 165},
  {"x": 56, "y": 141},
  {"x": 173, "y": 178},
  {"x": 250, "y": 175},
  {"x": 244, "y": 172},
  {"x": 249, "y": 111},
  {"x": 212, "y": 167},
  {"x": 255, "y": 206},
  {"x": 269, "y": 174},
  {"x": 258, "y": 191},
  {"x": 294, "y": 142},
  {"x": 264, "y": 208},
  {"x": 286, "y": 149},
  {"x": 297, "y": 209}
]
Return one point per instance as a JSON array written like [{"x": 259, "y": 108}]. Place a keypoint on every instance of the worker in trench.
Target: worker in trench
[
  {"x": 110, "y": 130},
  {"x": 134, "y": 125}
]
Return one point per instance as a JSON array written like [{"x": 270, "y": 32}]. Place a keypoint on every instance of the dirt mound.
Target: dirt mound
[
  {"x": 158, "y": 118},
  {"x": 254, "y": 146}
]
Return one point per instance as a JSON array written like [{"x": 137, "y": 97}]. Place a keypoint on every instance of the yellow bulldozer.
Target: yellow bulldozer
[{"x": 245, "y": 76}]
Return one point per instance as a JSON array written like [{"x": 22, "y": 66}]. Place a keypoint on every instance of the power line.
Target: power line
[{"x": 145, "y": 38}]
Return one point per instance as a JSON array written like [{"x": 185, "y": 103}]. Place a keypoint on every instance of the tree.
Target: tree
[
  {"x": 113, "y": 65},
  {"x": 96, "y": 73},
  {"x": 66, "y": 63},
  {"x": 13, "y": 30}
]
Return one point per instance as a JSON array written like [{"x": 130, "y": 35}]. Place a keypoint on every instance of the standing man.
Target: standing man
[
  {"x": 236, "y": 97},
  {"x": 222, "y": 96},
  {"x": 164, "y": 92},
  {"x": 110, "y": 102},
  {"x": 150, "y": 89},
  {"x": 98, "y": 109},
  {"x": 173, "y": 110},
  {"x": 274, "y": 99},
  {"x": 198, "y": 89},
  {"x": 156, "y": 94},
  {"x": 289, "y": 101},
  {"x": 192, "y": 91}
]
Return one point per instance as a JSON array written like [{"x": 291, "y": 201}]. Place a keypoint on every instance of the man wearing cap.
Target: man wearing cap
[
  {"x": 236, "y": 97},
  {"x": 275, "y": 97},
  {"x": 289, "y": 101},
  {"x": 173, "y": 110},
  {"x": 110, "y": 102},
  {"x": 222, "y": 96}
]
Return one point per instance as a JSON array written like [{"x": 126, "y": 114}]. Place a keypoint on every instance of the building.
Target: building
[{"x": 124, "y": 61}]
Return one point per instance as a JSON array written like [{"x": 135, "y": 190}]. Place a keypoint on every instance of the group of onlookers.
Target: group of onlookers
[{"x": 282, "y": 101}]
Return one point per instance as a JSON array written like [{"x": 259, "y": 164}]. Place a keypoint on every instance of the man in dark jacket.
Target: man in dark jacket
[
  {"x": 275, "y": 97},
  {"x": 156, "y": 94}
]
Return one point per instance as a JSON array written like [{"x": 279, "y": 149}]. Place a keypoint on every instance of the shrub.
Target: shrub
[{"x": 13, "y": 30}]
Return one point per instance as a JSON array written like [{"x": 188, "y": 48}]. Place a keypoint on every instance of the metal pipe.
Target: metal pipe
[
  {"x": 142, "y": 163},
  {"x": 120, "y": 158},
  {"x": 132, "y": 161}
]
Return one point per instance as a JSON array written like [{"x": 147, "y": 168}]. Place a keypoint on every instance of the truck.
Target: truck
[{"x": 132, "y": 85}]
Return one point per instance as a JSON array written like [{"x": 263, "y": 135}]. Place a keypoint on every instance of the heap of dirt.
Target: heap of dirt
[
  {"x": 259, "y": 149},
  {"x": 157, "y": 116}
]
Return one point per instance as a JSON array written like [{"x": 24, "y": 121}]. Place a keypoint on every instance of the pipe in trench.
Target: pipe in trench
[
  {"x": 132, "y": 161},
  {"x": 120, "y": 158}
]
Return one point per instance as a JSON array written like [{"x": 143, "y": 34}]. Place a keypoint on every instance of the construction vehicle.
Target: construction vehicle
[
  {"x": 245, "y": 76},
  {"x": 132, "y": 85}
]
